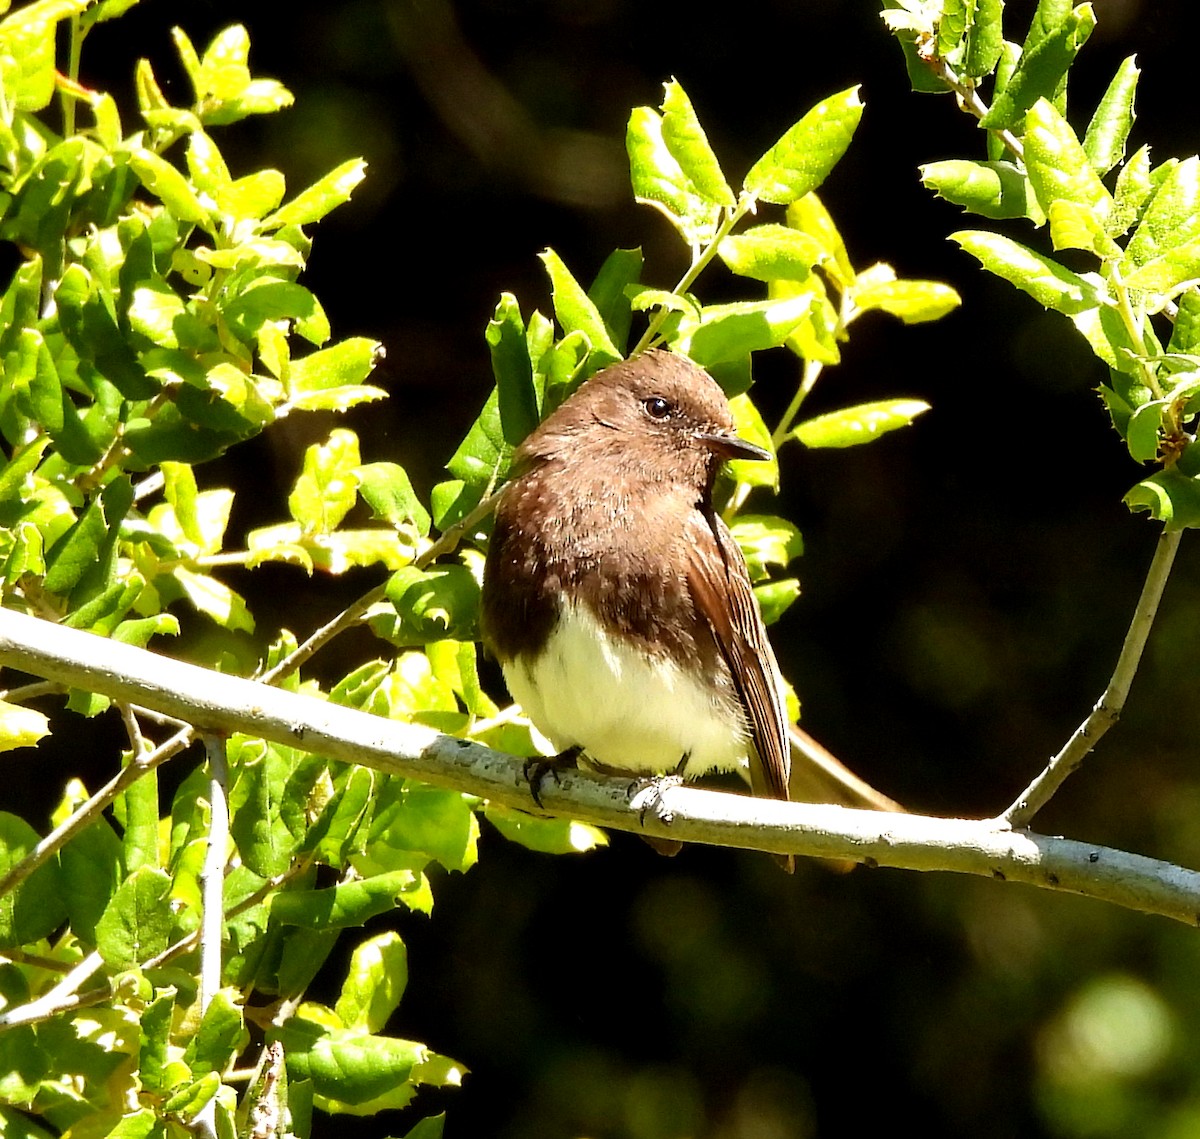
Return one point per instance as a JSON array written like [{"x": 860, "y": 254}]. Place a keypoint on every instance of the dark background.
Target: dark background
[{"x": 967, "y": 584}]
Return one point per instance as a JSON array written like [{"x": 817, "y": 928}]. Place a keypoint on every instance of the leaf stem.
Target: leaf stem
[
  {"x": 699, "y": 263},
  {"x": 1108, "y": 708}
]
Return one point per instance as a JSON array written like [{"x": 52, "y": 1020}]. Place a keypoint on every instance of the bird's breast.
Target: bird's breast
[{"x": 625, "y": 704}]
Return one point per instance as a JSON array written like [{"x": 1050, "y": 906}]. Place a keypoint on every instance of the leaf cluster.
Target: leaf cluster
[{"x": 1123, "y": 262}]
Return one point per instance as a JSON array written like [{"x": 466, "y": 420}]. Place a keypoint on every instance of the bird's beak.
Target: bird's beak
[{"x": 730, "y": 446}]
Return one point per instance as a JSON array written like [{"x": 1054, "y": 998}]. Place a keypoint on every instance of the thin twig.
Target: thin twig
[
  {"x": 212, "y": 875},
  {"x": 1108, "y": 708},
  {"x": 64, "y": 995},
  {"x": 969, "y": 100},
  {"x": 65, "y": 831},
  {"x": 355, "y": 612}
]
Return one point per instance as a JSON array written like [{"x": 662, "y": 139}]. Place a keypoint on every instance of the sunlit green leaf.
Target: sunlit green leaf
[
  {"x": 1049, "y": 283},
  {"x": 1104, "y": 142},
  {"x": 1043, "y": 63},
  {"x": 547, "y": 835},
  {"x": 325, "y": 194},
  {"x": 860, "y": 424},
  {"x": 771, "y": 252},
  {"x": 375, "y": 982},
  {"x": 136, "y": 923},
  {"x": 1169, "y": 496},
  {"x": 802, "y": 159},
  {"x": 689, "y": 146},
  {"x": 991, "y": 189},
  {"x": 35, "y": 907}
]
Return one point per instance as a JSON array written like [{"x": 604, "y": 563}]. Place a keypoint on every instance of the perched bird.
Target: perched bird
[{"x": 616, "y": 600}]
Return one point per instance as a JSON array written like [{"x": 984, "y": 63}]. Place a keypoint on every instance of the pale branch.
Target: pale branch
[
  {"x": 1110, "y": 705},
  {"x": 214, "y": 702}
]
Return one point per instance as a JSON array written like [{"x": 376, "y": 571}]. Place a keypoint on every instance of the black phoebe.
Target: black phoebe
[{"x": 615, "y": 598}]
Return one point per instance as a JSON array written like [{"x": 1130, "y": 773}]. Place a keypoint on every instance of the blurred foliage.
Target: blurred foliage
[{"x": 179, "y": 333}]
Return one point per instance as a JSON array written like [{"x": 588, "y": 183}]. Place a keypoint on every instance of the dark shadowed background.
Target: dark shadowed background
[{"x": 966, "y": 587}]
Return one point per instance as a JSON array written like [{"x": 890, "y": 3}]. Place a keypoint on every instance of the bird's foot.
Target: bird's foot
[
  {"x": 539, "y": 766},
  {"x": 646, "y": 797}
]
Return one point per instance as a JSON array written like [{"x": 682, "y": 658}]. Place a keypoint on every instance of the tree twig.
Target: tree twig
[
  {"x": 69, "y": 828},
  {"x": 216, "y": 702},
  {"x": 212, "y": 875},
  {"x": 354, "y": 612},
  {"x": 1110, "y": 705}
]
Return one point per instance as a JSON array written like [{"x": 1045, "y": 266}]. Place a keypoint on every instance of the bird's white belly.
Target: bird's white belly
[{"x": 626, "y": 710}]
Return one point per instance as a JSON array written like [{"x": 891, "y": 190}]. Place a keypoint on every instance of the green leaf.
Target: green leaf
[
  {"x": 214, "y": 599},
  {"x": 346, "y": 1066},
  {"x": 860, "y": 424},
  {"x": 267, "y": 806},
  {"x": 434, "y": 603},
  {"x": 1041, "y": 69},
  {"x": 92, "y": 330},
  {"x": 1132, "y": 191},
  {"x": 659, "y": 181},
  {"x": 914, "y": 302},
  {"x": 775, "y": 598},
  {"x": 336, "y": 831},
  {"x": 321, "y": 197},
  {"x": 1057, "y": 165},
  {"x": 802, "y": 159},
  {"x": 809, "y": 215},
  {"x": 339, "y": 907},
  {"x": 1050, "y": 284},
  {"x": 136, "y": 923},
  {"x": 766, "y": 541},
  {"x": 985, "y": 38},
  {"x": 481, "y": 459},
  {"x": 689, "y": 146},
  {"x": 339, "y": 368},
  {"x": 1185, "y": 336},
  {"x": 35, "y": 908},
  {"x": 169, "y": 186},
  {"x": 430, "y": 821},
  {"x": 1171, "y": 219},
  {"x": 621, "y": 270},
  {"x": 576, "y": 311},
  {"x": 518, "y": 398},
  {"x": 327, "y": 486},
  {"x": 220, "y": 1036},
  {"x": 78, "y": 550},
  {"x": 1104, "y": 142},
  {"x": 545, "y": 835},
  {"x": 374, "y": 984},
  {"x": 21, "y": 727},
  {"x": 1167, "y": 273},
  {"x": 431, "y": 1127},
  {"x": 729, "y": 332},
  {"x": 771, "y": 253},
  {"x": 34, "y": 381},
  {"x": 992, "y": 189},
  {"x": 1169, "y": 496},
  {"x": 270, "y": 299},
  {"x": 388, "y": 491},
  {"x": 1144, "y": 431}
]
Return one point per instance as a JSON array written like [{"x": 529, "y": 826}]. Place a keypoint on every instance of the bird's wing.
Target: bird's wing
[{"x": 721, "y": 591}]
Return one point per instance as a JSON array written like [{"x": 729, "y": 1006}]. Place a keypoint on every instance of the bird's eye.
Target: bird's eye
[{"x": 657, "y": 407}]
